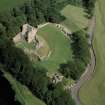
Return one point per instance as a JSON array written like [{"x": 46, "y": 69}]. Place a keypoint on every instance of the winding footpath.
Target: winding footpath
[{"x": 87, "y": 75}]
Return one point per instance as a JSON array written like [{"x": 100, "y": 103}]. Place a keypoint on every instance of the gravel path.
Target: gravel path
[{"x": 87, "y": 75}]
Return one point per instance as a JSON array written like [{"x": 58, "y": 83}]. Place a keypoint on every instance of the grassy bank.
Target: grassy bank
[{"x": 93, "y": 93}]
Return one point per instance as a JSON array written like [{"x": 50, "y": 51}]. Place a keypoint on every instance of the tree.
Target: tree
[
  {"x": 2, "y": 29},
  {"x": 70, "y": 70},
  {"x": 89, "y": 6},
  {"x": 80, "y": 46}
]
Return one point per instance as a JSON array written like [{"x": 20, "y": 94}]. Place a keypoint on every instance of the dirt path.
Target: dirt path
[
  {"x": 87, "y": 75},
  {"x": 43, "y": 25}
]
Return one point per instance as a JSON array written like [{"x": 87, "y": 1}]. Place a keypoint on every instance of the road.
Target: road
[{"x": 87, "y": 75}]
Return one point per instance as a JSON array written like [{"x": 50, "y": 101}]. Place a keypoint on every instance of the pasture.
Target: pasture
[
  {"x": 93, "y": 93},
  {"x": 75, "y": 18}
]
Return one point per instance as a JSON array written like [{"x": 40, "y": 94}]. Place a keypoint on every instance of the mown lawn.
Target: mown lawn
[
  {"x": 75, "y": 18},
  {"x": 93, "y": 93},
  {"x": 59, "y": 46},
  {"x": 8, "y": 4},
  {"x": 23, "y": 94}
]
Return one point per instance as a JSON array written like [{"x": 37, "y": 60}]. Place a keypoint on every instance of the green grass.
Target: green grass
[
  {"x": 24, "y": 45},
  {"x": 59, "y": 46},
  {"x": 44, "y": 50},
  {"x": 23, "y": 94},
  {"x": 75, "y": 18},
  {"x": 8, "y": 4},
  {"x": 93, "y": 93}
]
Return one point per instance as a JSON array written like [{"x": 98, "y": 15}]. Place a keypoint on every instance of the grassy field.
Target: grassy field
[
  {"x": 8, "y": 4},
  {"x": 59, "y": 46},
  {"x": 93, "y": 93},
  {"x": 75, "y": 18},
  {"x": 23, "y": 94}
]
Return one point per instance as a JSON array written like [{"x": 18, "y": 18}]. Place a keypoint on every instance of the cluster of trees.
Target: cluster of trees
[
  {"x": 80, "y": 46},
  {"x": 33, "y": 12},
  {"x": 76, "y": 2},
  {"x": 18, "y": 64},
  {"x": 89, "y": 6},
  {"x": 81, "y": 56}
]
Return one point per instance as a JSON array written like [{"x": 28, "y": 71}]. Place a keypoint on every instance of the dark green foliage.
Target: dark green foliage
[
  {"x": 2, "y": 29},
  {"x": 80, "y": 46},
  {"x": 72, "y": 69},
  {"x": 89, "y": 6},
  {"x": 11, "y": 24},
  {"x": 76, "y": 2},
  {"x": 57, "y": 96},
  {"x": 14, "y": 59},
  {"x": 33, "y": 12},
  {"x": 39, "y": 82},
  {"x": 69, "y": 70}
]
